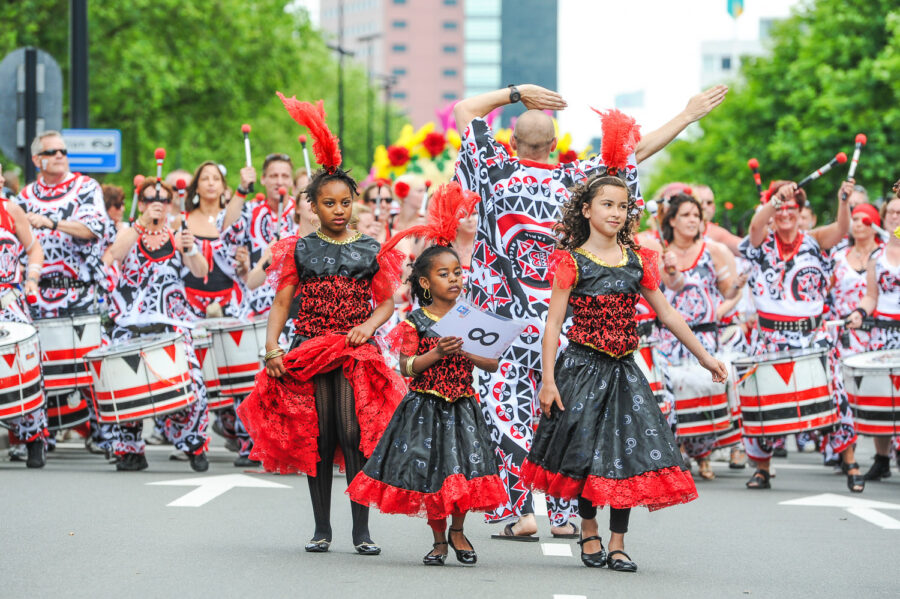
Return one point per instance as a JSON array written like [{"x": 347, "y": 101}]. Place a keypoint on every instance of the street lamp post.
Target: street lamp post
[
  {"x": 389, "y": 82},
  {"x": 370, "y": 94},
  {"x": 342, "y": 52}
]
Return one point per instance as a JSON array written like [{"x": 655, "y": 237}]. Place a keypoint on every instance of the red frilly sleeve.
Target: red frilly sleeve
[
  {"x": 650, "y": 262},
  {"x": 283, "y": 269},
  {"x": 403, "y": 339},
  {"x": 388, "y": 278},
  {"x": 563, "y": 270}
]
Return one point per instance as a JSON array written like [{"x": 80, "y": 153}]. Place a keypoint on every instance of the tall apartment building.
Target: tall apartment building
[{"x": 442, "y": 50}]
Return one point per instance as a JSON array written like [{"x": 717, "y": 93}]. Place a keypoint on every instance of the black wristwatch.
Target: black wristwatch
[
  {"x": 514, "y": 95},
  {"x": 55, "y": 222},
  {"x": 243, "y": 191}
]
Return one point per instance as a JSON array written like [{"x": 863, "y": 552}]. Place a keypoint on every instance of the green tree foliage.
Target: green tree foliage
[
  {"x": 834, "y": 71},
  {"x": 184, "y": 75}
]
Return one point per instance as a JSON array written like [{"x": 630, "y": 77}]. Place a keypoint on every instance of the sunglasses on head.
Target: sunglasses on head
[
  {"x": 158, "y": 199},
  {"x": 63, "y": 151}
]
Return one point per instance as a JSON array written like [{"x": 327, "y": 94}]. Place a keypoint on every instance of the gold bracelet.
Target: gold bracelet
[
  {"x": 409, "y": 367},
  {"x": 274, "y": 353}
]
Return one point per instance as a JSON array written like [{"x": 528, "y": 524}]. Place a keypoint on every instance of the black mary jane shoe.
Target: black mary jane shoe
[
  {"x": 432, "y": 559},
  {"x": 318, "y": 546},
  {"x": 855, "y": 482},
  {"x": 37, "y": 454},
  {"x": 593, "y": 560},
  {"x": 620, "y": 565},
  {"x": 463, "y": 556},
  {"x": 759, "y": 480},
  {"x": 367, "y": 548},
  {"x": 880, "y": 470},
  {"x": 198, "y": 461}
]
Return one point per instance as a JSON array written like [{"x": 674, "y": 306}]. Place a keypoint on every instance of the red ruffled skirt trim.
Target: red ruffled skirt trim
[
  {"x": 654, "y": 490},
  {"x": 457, "y": 495},
  {"x": 280, "y": 413}
]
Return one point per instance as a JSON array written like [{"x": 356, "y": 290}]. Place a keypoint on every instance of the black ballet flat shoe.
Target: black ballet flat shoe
[
  {"x": 132, "y": 462},
  {"x": 620, "y": 565},
  {"x": 37, "y": 454},
  {"x": 318, "y": 546},
  {"x": 431, "y": 559},
  {"x": 199, "y": 463},
  {"x": 759, "y": 480},
  {"x": 880, "y": 470},
  {"x": 855, "y": 482},
  {"x": 593, "y": 560},
  {"x": 463, "y": 556},
  {"x": 245, "y": 462},
  {"x": 367, "y": 548}
]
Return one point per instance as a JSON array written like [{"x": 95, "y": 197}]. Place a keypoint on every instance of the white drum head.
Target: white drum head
[{"x": 12, "y": 333}]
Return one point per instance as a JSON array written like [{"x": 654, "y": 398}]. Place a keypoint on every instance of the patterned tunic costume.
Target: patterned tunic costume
[
  {"x": 337, "y": 283},
  {"x": 887, "y": 310},
  {"x": 148, "y": 296},
  {"x": 793, "y": 287},
  {"x": 848, "y": 287},
  {"x": 611, "y": 445},
  {"x": 33, "y": 425},
  {"x": 520, "y": 204},
  {"x": 222, "y": 284},
  {"x": 436, "y": 457}
]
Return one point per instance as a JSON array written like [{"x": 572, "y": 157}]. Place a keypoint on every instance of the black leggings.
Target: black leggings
[
  {"x": 618, "y": 519},
  {"x": 338, "y": 424}
]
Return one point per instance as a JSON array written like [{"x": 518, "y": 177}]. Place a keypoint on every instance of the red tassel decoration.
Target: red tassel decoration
[
  {"x": 325, "y": 144},
  {"x": 621, "y": 135}
]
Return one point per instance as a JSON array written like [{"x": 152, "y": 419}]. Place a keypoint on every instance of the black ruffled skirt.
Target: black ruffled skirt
[{"x": 611, "y": 444}]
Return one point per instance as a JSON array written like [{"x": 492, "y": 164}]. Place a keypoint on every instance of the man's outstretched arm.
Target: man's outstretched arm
[
  {"x": 697, "y": 108},
  {"x": 533, "y": 97}
]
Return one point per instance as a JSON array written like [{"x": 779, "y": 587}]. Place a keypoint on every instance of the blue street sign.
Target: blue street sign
[{"x": 94, "y": 150}]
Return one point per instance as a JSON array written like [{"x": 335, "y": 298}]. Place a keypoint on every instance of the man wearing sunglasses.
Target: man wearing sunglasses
[{"x": 69, "y": 219}]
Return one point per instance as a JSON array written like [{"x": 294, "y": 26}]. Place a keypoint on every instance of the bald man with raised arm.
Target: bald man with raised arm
[{"x": 521, "y": 197}]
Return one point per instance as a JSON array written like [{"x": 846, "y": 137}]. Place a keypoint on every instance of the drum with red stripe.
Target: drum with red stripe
[
  {"x": 701, "y": 405},
  {"x": 203, "y": 348},
  {"x": 731, "y": 435},
  {"x": 236, "y": 345},
  {"x": 66, "y": 410},
  {"x": 648, "y": 361},
  {"x": 787, "y": 392},
  {"x": 145, "y": 377},
  {"x": 872, "y": 381},
  {"x": 64, "y": 343},
  {"x": 21, "y": 386}
]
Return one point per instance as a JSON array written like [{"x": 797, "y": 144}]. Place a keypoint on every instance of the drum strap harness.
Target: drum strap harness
[
  {"x": 884, "y": 323},
  {"x": 804, "y": 325},
  {"x": 63, "y": 283}
]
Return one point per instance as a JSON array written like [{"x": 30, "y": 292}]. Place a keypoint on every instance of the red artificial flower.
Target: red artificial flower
[
  {"x": 398, "y": 155},
  {"x": 568, "y": 156},
  {"x": 729, "y": 206},
  {"x": 401, "y": 189},
  {"x": 434, "y": 143}
]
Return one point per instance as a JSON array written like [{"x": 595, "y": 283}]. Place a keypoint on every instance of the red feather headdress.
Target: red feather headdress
[
  {"x": 448, "y": 205},
  {"x": 325, "y": 144},
  {"x": 621, "y": 135}
]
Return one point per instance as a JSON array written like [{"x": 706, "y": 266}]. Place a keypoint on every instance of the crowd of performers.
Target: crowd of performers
[{"x": 350, "y": 282}]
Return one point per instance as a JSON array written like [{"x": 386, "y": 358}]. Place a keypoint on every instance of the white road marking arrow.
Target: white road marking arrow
[
  {"x": 861, "y": 508},
  {"x": 210, "y": 487}
]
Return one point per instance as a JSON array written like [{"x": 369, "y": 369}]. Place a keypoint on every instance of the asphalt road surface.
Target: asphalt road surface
[{"x": 77, "y": 528}]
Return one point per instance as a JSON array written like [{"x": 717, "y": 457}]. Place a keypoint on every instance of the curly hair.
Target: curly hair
[
  {"x": 574, "y": 229},
  {"x": 672, "y": 211},
  {"x": 322, "y": 176},
  {"x": 422, "y": 267}
]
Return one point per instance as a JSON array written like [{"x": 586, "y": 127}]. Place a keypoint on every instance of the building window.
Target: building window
[
  {"x": 726, "y": 63},
  {"x": 482, "y": 52},
  {"x": 483, "y": 75},
  {"x": 483, "y": 29},
  {"x": 483, "y": 8},
  {"x": 399, "y": 1},
  {"x": 449, "y": 49},
  {"x": 450, "y": 25},
  {"x": 450, "y": 2},
  {"x": 398, "y": 72},
  {"x": 399, "y": 95},
  {"x": 399, "y": 24},
  {"x": 450, "y": 73},
  {"x": 399, "y": 47},
  {"x": 449, "y": 96}
]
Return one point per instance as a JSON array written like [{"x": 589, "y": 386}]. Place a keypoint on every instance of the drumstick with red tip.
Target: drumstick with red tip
[
  {"x": 854, "y": 162},
  {"x": 281, "y": 193},
  {"x": 753, "y": 163},
  {"x": 840, "y": 158},
  {"x": 138, "y": 180},
  {"x": 160, "y": 155},
  {"x": 245, "y": 129},
  {"x": 878, "y": 230},
  {"x": 302, "y": 140},
  {"x": 181, "y": 186},
  {"x": 380, "y": 184}
]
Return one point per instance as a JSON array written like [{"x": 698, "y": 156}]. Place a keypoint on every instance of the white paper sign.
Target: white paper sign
[{"x": 483, "y": 334}]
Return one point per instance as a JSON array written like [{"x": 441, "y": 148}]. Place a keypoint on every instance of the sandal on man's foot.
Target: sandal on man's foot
[
  {"x": 704, "y": 468},
  {"x": 620, "y": 565},
  {"x": 509, "y": 535},
  {"x": 759, "y": 480},
  {"x": 318, "y": 546},
  {"x": 567, "y": 535},
  {"x": 855, "y": 482}
]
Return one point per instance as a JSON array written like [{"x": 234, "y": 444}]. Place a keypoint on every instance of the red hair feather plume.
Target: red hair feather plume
[
  {"x": 325, "y": 145},
  {"x": 621, "y": 135}
]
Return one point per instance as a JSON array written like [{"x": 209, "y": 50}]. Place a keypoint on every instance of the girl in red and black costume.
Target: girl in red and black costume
[
  {"x": 436, "y": 457},
  {"x": 333, "y": 388},
  {"x": 602, "y": 438}
]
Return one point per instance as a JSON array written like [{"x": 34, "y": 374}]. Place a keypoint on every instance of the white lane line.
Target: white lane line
[
  {"x": 569, "y": 596},
  {"x": 877, "y": 518},
  {"x": 556, "y": 549},
  {"x": 540, "y": 504}
]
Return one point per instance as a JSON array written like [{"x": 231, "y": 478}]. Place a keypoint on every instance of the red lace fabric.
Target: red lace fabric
[
  {"x": 457, "y": 495},
  {"x": 280, "y": 413},
  {"x": 563, "y": 269},
  {"x": 654, "y": 490},
  {"x": 604, "y": 322},
  {"x": 450, "y": 377},
  {"x": 283, "y": 270},
  {"x": 332, "y": 305},
  {"x": 403, "y": 339},
  {"x": 650, "y": 262},
  {"x": 389, "y": 275}
]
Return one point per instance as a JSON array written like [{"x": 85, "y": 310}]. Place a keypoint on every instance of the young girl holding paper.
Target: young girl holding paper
[
  {"x": 435, "y": 457},
  {"x": 602, "y": 439}
]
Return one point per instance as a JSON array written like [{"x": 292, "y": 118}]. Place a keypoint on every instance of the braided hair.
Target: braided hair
[
  {"x": 574, "y": 229},
  {"x": 323, "y": 176},
  {"x": 422, "y": 267}
]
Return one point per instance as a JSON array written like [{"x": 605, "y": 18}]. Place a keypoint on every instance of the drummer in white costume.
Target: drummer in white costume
[
  {"x": 148, "y": 298},
  {"x": 788, "y": 280},
  {"x": 15, "y": 239},
  {"x": 882, "y": 301}
]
